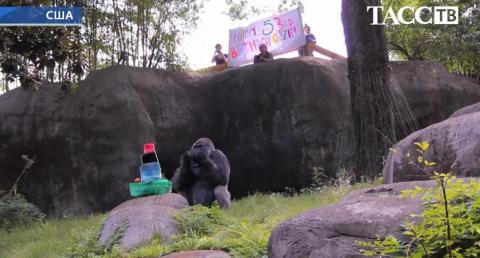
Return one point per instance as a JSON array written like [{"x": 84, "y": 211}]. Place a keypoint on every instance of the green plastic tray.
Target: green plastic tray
[{"x": 155, "y": 187}]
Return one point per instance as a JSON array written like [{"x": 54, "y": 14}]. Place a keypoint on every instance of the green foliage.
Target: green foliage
[
  {"x": 243, "y": 230},
  {"x": 200, "y": 219},
  {"x": 148, "y": 31},
  {"x": 50, "y": 238},
  {"x": 15, "y": 211},
  {"x": 241, "y": 9},
  {"x": 152, "y": 250},
  {"x": 455, "y": 46},
  {"x": 449, "y": 225},
  {"x": 210, "y": 228},
  {"x": 87, "y": 244},
  {"x": 388, "y": 247}
]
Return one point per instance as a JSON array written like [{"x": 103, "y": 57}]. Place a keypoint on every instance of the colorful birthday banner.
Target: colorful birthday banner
[
  {"x": 281, "y": 33},
  {"x": 41, "y": 16}
]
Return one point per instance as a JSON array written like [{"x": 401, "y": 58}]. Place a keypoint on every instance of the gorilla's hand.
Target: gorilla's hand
[
  {"x": 200, "y": 155},
  {"x": 185, "y": 159}
]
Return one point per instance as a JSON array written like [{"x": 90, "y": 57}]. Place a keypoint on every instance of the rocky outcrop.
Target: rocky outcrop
[
  {"x": 454, "y": 146},
  {"x": 274, "y": 121},
  {"x": 467, "y": 110},
  {"x": 333, "y": 231},
  {"x": 199, "y": 254},
  {"x": 136, "y": 222}
]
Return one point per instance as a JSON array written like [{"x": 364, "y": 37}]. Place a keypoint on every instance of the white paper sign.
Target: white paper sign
[{"x": 281, "y": 33}]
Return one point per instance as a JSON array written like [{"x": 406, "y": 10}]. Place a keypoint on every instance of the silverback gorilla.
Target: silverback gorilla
[{"x": 202, "y": 177}]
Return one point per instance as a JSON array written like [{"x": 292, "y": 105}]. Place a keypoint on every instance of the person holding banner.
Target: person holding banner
[
  {"x": 306, "y": 50},
  {"x": 218, "y": 57},
  {"x": 264, "y": 55}
]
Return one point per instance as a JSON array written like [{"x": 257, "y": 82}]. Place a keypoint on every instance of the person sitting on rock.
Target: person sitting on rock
[
  {"x": 306, "y": 50},
  {"x": 219, "y": 57},
  {"x": 264, "y": 55}
]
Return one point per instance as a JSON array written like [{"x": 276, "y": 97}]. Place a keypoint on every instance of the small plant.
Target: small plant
[
  {"x": 318, "y": 178},
  {"x": 449, "y": 225},
  {"x": 210, "y": 228},
  {"x": 69, "y": 86},
  {"x": 343, "y": 178},
  {"x": 14, "y": 209},
  {"x": 200, "y": 219},
  {"x": 86, "y": 244}
]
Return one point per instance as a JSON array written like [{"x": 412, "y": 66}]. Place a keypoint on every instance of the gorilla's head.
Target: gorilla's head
[
  {"x": 203, "y": 144},
  {"x": 201, "y": 150}
]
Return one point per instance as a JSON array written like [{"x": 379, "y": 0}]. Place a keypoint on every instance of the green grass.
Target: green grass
[
  {"x": 49, "y": 239},
  {"x": 242, "y": 230}
]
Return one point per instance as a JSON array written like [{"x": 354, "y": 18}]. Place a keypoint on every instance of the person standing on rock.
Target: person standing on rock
[
  {"x": 219, "y": 57},
  {"x": 123, "y": 58},
  {"x": 264, "y": 55},
  {"x": 306, "y": 50}
]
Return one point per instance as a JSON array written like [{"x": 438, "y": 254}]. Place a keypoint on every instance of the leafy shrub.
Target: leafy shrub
[
  {"x": 200, "y": 219},
  {"x": 153, "y": 250},
  {"x": 16, "y": 211},
  {"x": 210, "y": 228},
  {"x": 85, "y": 244},
  {"x": 449, "y": 225}
]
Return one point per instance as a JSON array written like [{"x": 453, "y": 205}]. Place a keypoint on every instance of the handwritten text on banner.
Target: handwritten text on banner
[{"x": 281, "y": 33}]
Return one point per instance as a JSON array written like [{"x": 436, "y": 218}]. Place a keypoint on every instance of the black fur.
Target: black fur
[{"x": 203, "y": 175}]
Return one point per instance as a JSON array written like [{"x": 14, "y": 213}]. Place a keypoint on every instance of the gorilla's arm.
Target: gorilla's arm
[
  {"x": 218, "y": 168},
  {"x": 182, "y": 178}
]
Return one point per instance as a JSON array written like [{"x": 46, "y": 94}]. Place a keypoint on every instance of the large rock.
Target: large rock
[
  {"x": 467, "y": 110},
  {"x": 432, "y": 92},
  {"x": 454, "y": 146},
  {"x": 137, "y": 221},
  {"x": 274, "y": 121},
  {"x": 332, "y": 231},
  {"x": 170, "y": 200}
]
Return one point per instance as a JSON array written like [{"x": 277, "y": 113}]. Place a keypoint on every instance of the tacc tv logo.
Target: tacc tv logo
[{"x": 421, "y": 15}]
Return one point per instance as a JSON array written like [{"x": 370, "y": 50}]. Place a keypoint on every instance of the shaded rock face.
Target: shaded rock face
[
  {"x": 454, "y": 146},
  {"x": 141, "y": 219},
  {"x": 432, "y": 92},
  {"x": 88, "y": 143},
  {"x": 332, "y": 231},
  {"x": 274, "y": 121}
]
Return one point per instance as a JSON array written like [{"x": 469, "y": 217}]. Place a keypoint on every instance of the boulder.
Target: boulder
[
  {"x": 172, "y": 200},
  {"x": 467, "y": 110},
  {"x": 137, "y": 221},
  {"x": 199, "y": 254},
  {"x": 454, "y": 146},
  {"x": 332, "y": 231},
  {"x": 274, "y": 121},
  {"x": 432, "y": 93}
]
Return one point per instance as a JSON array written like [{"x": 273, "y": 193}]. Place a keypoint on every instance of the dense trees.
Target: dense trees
[
  {"x": 145, "y": 32},
  {"x": 239, "y": 9},
  {"x": 455, "y": 46}
]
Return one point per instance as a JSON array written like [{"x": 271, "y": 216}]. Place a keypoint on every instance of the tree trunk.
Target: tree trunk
[
  {"x": 6, "y": 83},
  {"x": 371, "y": 97}
]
